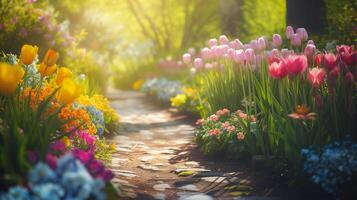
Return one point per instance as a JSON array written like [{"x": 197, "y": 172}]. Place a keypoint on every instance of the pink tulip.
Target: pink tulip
[
  {"x": 230, "y": 53},
  {"x": 192, "y": 51},
  {"x": 310, "y": 42},
  {"x": 261, "y": 43},
  {"x": 249, "y": 55},
  {"x": 286, "y": 52},
  {"x": 198, "y": 63},
  {"x": 236, "y": 44},
  {"x": 205, "y": 52},
  {"x": 295, "y": 64},
  {"x": 302, "y": 33},
  {"x": 316, "y": 76},
  {"x": 277, "y": 41},
  {"x": 186, "y": 58},
  {"x": 309, "y": 50},
  {"x": 253, "y": 44},
  {"x": 212, "y": 42},
  {"x": 223, "y": 40},
  {"x": 295, "y": 40},
  {"x": 318, "y": 59},
  {"x": 277, "y": 70},
  {"x": 239, "y": 56},
  {"x": 329, "y": 61},
  {"x": 289, "y": 32}
]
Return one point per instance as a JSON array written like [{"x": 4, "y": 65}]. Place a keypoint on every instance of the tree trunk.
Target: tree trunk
[{"x": 309, "y": 14}]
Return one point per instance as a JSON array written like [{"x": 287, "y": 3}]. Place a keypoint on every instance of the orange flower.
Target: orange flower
[
  {"x": 50, "y": 58},
  {"x": 78, "y": 118},
  {"x": 48, "y": 65},
  {"x": 302, "y": 113}
]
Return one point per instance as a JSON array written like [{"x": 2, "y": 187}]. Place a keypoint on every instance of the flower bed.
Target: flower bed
[
  {"x": 52, "y": 141},
  {"x": 300, "y": 95}
]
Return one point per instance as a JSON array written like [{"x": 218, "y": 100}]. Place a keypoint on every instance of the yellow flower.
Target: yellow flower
[
  {"x": 137, "y": 84},
  {"x": 28, "y": 54},
  {"x": 10, "y": 76},
  {"x": 178, "y": 100},
  {"x": 68, "y": 92},
  {"x": 62, "y": 74},
  {"x": 50, "y": 58},
  {"x": 66, "y": 141},
  {"x": 113, "y": 146}
]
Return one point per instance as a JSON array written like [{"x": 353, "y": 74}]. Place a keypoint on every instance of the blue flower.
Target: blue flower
[
  {"x": 48, "y": 191},
  {"x": 42, "y": 173},
  {"x": 77, "y": 183},
  {"x": 18, "y": 193},
  {"x": 66, "y": 162},
  {"x": 97, "y": 190}
]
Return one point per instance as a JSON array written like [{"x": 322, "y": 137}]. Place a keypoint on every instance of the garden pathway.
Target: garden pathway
[{"x": 156, "y": 157}]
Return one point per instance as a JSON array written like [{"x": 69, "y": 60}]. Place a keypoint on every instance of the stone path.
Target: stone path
[{"x": 156, "y": 157}]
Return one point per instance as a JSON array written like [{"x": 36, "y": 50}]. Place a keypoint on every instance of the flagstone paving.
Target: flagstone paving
[{"x": 157, "y": 158}]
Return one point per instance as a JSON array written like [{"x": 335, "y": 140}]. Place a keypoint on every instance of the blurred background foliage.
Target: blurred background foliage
[{"x": 131, "y": 39}]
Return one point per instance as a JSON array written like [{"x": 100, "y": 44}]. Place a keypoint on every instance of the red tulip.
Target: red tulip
[
  {"x": 329, "y": 61},
  {"x": 349, "y": 78},
  {"x": 295, "y": 64},
  {"x": 277, "y": 70},
  {"x": 318, "y": 59},
  {"x": 316, "y": 76},
  {"x": 345, "y": 53}
]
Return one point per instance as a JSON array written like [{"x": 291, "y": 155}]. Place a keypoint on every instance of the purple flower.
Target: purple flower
[
  {"x": 58, "y": 146},
  {"x": 23, "y": 32}
]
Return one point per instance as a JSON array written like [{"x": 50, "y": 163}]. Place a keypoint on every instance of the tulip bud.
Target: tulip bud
[
  {"x": 198, "y": 63},
  {"x": 310, "y": 42},
  {"x": 28, "y": 54},
  {"x": 186, "y": 58},
  {"x": 253, "y": 44},
  {"x": 261, "y": 43},
  {"x": 212, "y": 42},
  {"x": 309, "y": 50},
  {"x": 277, "y": 41},
  {"x": 50, "y": 58},
  {"x": 249, "y": 55},
  {"x": 205, "y": 52},
  {"x": 349, "y": 78},
  {"x": 239, "y": 56},
  {"x": 223, "y": 40},
  {"x": 302, "y": 33},
  {"x": 295, "y": 40},
  {"x": 230, "y": 53},
  {"x": 62, "y": 74},
  {"x": 318, "y": 59},
  {"x": 208, "y": 66},
  {"x": 289, "y": 32},
  {"x": 329, "y": 61},
  {"x": 191, "y": 51},
  {"x": 236, "y": 44}
]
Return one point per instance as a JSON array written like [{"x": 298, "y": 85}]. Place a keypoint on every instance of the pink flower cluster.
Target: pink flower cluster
[
  {"x": 223, "y": 112},
  {"x": 230, "y": 128},
  {"x": 214, "y": 132},
  {"x": 94, "y": 166}
]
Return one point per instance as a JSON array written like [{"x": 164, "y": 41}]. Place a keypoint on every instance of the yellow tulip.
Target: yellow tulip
[
  {"x": 46, "y": 70},
  {"x": 28, "y": 54},
  {"x": 68, "y": 92},
  {"x": 62, "y": 74},
  {"x": 10, "y": 76},
  {"x": 50, "y": 58}
]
